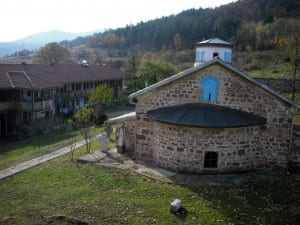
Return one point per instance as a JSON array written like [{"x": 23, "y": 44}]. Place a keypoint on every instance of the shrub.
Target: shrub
[{"x": 101, "y": 119}]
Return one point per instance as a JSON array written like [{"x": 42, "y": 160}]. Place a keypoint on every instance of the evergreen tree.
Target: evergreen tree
[{"x": 130, "y": 75}]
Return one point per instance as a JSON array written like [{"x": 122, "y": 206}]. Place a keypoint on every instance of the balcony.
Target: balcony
[
  {"x": 76, "y": 94},
  {"x": 27, "y": 106}
]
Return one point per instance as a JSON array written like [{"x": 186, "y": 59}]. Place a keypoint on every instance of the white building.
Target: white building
[{"x": 211, "y": 48}]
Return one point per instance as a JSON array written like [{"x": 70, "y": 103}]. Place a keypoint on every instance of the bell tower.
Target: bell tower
[{"x": 209, "y": 49}]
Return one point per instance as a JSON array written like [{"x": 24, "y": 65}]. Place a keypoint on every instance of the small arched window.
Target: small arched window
[
  {"x": 211, "y": 160},
  {"x": 210, "y": 86}
]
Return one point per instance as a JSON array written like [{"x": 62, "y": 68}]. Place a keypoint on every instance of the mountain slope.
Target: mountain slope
[
  {"x": 188, "y": 27},
  {"x": 36, "y": 41}
]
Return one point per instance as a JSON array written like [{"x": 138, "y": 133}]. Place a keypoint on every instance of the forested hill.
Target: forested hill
[{"x": 251, "y": 24}]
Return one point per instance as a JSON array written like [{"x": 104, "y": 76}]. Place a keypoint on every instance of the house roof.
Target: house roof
[
  {"x": 216, "y": 60},
  {"x": 22, "y": 80},
  {"x": 205, "y": 115},
  {"x": 40, "y": 76},
  {"x": 122, "y": 118},
  {"x": 214, "y": 42}
]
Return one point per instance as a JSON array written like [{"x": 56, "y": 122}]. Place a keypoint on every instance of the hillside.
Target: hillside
[
  {"x": 252, "y": 26},
  {"x": 190, "y": 26}
]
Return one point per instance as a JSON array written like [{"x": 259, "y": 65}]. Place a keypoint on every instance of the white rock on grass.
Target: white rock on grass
[{"x": 176, "y": 205}]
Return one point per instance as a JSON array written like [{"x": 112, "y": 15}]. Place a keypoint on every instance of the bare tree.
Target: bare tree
[{"x": 72, "y": 145}]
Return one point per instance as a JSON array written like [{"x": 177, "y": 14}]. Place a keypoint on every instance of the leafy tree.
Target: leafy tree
[
  {"x": 246, "y": 36},
  {"x": 52, "y": 53},
  {"x": 130, "y": 75},
  {"x": 151, "y": 72},
  {"x": 103, "y": 95},
  {"x": 84, "y": 118},
  {"x": 199, "y": 24},
  {"x": 177, "y": 40},
  {"x": 291, "y": 43}
]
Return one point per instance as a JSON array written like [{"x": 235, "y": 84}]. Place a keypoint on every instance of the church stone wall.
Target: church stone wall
[
  {"x": 272, "y": 139},
  {"x": 128, "y": 144},
  {"x": 183, "y": 148}
]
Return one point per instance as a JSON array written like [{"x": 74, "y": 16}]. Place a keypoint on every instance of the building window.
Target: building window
[
  {"x": 210, "y": 86},
  {"x": 227, "y": 57},
  {"x": 47, "y": 114},
  {"x": 215, "y": 54},
  {"x": 78, "y": 87},
  {"x": 211, "y": 160},
  {"x": 200, "y": 56},
  {"x": 36, "y": 94},
  {"x": 25, "y": 117}
]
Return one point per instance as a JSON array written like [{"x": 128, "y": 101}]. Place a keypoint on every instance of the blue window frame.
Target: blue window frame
[
  {"x": 200, "y": 56},
  {"x": 210, "y": 86},
  {"x": 227, "y": 57}
]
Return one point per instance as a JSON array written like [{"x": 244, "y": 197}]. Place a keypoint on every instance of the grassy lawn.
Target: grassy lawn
[
  {"x": 110, "y": 196},
  {"x": 36, "y": 146},
  {"x": 280, "y": 71},
  {"x": 296, "y": 116}
]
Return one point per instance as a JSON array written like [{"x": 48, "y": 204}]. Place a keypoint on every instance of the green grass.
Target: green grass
[
  {"x": 296, "y": 116},
  {"x": 36, "y": 146},
  {"x": 110, "y": 196},
  {"x": 280, "y": 71}
]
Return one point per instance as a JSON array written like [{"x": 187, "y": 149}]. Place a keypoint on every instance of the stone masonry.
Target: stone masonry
[
  {"x": 129, "y": 142},
  {"x": 182, "y": 148}
]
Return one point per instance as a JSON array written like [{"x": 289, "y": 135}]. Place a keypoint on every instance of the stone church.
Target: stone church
[{"x": 210, "y": 118}]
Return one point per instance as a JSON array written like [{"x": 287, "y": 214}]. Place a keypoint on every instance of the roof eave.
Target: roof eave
[
  {"x": 259, "y": 84},
  {"x": 171, "y": 79},
  {"x": 214, "y": 45},
  {"x": 204, "y": 65}
]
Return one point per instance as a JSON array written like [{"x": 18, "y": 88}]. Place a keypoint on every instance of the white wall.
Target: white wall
[{"x": 209, "y": 51}]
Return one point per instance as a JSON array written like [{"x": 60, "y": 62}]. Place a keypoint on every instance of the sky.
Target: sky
[{"x": 21, "y": 18}]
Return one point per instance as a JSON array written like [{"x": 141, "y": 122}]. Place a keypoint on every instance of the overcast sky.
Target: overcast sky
[{"x": 20, "y": 18}]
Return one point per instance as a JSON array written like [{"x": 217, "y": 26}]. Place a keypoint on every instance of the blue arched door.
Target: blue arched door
[{"x": 210, "y": 87}]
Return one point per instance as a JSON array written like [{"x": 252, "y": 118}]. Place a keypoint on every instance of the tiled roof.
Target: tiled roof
[
  {"x": 5, "y": 81},
  {"x": 38, "y": 76},
  {"x": 19, "y": 79}
]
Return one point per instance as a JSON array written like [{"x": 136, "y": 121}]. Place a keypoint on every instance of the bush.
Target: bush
[
  {"x": 101, "y": 119},
  {"x": 25, "y": 130},
  {"x": 68, "y": 115}
]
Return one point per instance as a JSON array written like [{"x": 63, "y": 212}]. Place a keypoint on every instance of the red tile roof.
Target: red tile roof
[{"x": 38, "y": 76}]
